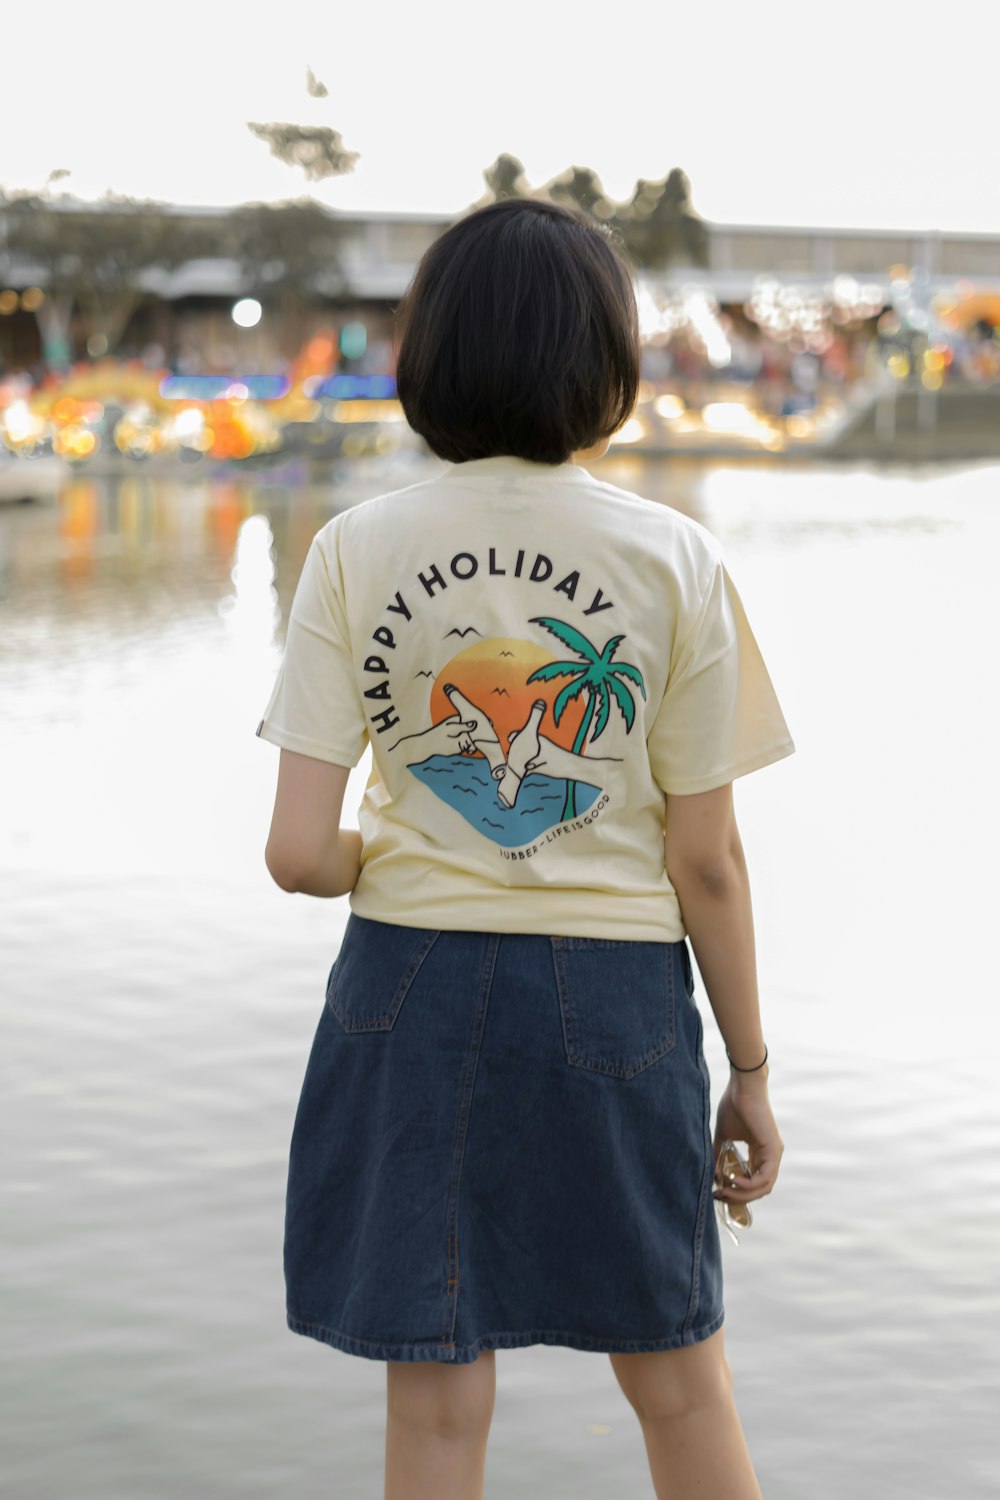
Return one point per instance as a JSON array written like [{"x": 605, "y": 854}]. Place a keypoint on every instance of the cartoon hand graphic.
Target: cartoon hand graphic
[
  {"x": 480, "y": 727},
  {"x": 445, "y": 737},
  {"x": 523, "y": 750},
  {"x": 556, "y": 760},
  {"x": 529, "y": 751}
]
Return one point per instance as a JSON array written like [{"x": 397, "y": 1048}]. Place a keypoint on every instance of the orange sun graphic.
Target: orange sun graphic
[{"x": 492, "y": 674}]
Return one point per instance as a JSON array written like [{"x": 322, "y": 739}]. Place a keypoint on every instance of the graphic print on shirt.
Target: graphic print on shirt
[{"x": 511, "y": 727}]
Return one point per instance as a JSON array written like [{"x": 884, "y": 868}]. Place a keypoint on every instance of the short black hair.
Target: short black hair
[{"x": 519, "y": 334}]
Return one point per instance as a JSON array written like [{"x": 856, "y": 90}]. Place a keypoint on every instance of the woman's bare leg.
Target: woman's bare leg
[
  {"x": 437, "y": 1425},
  {"x": 694, "y": 1440}
]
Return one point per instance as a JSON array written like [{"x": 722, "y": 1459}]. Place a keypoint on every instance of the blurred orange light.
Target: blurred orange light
[
  {"x": 632, "y": 432},
  {"x": 321, "y": 347},
  {"x": 66, "y": 409},
  {"x": 75, "y": 442},
  {"x": 367, "y": 411}
]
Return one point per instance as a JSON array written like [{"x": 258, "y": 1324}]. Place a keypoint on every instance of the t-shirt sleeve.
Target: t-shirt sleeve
[
  {"x": 720, "y": 717},
  {"x": 315, "y": 706}
]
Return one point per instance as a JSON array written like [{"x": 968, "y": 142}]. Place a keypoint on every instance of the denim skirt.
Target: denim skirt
[{"x": 503, "y": 1139}]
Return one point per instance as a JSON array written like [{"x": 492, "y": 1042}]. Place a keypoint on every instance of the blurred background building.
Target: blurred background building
[{"x": 153, "y": 331}]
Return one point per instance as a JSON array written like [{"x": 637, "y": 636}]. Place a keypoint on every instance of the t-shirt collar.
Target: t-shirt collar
[{"x": 510, "y": 465}]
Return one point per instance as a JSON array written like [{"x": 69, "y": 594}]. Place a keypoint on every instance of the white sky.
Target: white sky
[{"x": 857, "y": 114}]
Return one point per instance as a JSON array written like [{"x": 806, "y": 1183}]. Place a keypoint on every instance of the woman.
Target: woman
[{"x": 503, "y": 1134}]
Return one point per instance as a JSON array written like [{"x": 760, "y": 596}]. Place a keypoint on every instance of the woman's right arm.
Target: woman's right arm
[{"x": 706, "y": 866}]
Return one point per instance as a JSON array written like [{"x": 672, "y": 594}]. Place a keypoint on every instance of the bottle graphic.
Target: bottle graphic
[
  {"x": 483, "y": 735},
  {"x": 524, "y": 747}
]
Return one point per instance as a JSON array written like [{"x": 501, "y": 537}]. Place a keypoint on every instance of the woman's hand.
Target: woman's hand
[{"x": 745, "y": 1114}]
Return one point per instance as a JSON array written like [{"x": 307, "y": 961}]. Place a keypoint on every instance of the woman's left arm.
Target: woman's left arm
[{"x": 307, "y": 850}]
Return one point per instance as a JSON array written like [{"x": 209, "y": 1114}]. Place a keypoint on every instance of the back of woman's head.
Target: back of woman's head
[{"x": 519, "y": 334}]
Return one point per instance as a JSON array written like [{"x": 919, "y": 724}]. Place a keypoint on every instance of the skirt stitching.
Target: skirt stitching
[{"x": 461, "y": 1134}]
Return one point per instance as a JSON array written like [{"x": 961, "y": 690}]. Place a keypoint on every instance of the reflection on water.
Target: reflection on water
[{"x": 162, "y": 993}]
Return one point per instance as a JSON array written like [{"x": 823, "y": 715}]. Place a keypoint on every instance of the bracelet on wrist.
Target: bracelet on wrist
[{"x": 747, "y": 1070}]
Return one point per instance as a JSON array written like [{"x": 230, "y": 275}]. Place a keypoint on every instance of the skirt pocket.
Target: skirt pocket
[
  {"x": 375, "y": 967},
  {"x": 617, "y": 1002}
]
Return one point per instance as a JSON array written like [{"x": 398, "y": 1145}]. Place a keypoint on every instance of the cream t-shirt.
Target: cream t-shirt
[{"x": 535, "y": 656}]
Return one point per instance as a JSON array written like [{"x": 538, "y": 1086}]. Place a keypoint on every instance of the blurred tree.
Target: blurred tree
[
  {"x": 660, "y": 226},
  {"x": 657, "y": 227},
  {"x": 289, "y": 250},
  {"x": 317, "y": 149},
  {"x": 288, "y": 253},
  {"x": 314, "y": 87},
  {"x": 92, "y": 256},
  {"x": 505, "y": 179},
  {"x": 581, "y": 187}
]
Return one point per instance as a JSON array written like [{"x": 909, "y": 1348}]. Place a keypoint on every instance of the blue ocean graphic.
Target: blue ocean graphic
[{"x": 465, "y": 783}]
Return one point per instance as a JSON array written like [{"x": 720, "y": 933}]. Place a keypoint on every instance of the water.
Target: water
[
  {"x": 161, "y": 994},
  {"x": 538, "y": 809}
]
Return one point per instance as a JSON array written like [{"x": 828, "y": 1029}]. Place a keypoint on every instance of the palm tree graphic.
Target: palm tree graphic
[{"x": 594, "y": 675}]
